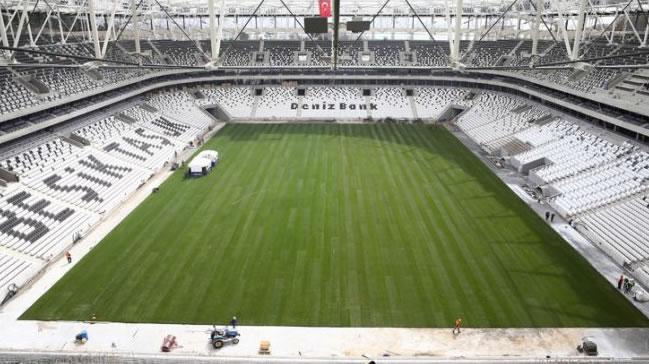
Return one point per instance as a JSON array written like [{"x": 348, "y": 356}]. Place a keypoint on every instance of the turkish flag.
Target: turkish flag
[{"x": 325, "y": 8}]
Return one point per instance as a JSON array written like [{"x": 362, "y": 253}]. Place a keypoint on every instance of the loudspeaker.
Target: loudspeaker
[
  {"x": 316, "y": 25},
  {"x": 357, "y": 26}
]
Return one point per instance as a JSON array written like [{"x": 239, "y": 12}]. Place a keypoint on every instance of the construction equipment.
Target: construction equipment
[
  {"x": 220, "y": 337},
  {"x": 81, "y": 338}
]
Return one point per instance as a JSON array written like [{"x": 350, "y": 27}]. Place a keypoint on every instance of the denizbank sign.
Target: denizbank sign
[{"x": 338, "y": 106}]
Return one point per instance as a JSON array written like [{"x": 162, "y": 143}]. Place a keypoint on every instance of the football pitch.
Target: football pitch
[{"x": 337, "y": 225}]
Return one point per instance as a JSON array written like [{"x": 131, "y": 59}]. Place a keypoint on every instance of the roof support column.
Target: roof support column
[
  {"x": 212, "y": 24},
  {"x": 72, "y": 27},
  {"x": 537, "y": 27},
  {"x": 21, "y": 23},
  {"x": 46, "y": 22},
  {"x": 564, "y": 32},
  {"x": 136, "y": 26},
  {"x": 611, "y": 38},
  {"x": 457, "y": 34},
  {"x": 29, "y": 31},
  {"x": 51, "y": 29},
  {"x": 219, "y": 31},
  {"x": 3, "y": 31},
  {"x": 646, "y": 34},
  {"x": 3, "y": 35},
  {"x": 93, "y": 28},
  {"x": 580, "y": 28},
  {"x": 334, "y": 48},
  {"x": 109, "y": 29},
  {"x": 60, "y": 21},
  {"x": 447, "y": 6}
]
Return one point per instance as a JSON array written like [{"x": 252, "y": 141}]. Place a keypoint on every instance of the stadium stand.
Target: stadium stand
[
  {"x": 39, "y": 226},
  {"x": 103, "y": 130},
  {"x": 31, "y": 163},
  {"x": 64, "y": 83},
  {"x": 95, "y": 181},
  {"x": 164, "y": 125},
  {"x": 182, "y": 107},
  {"x": 433, "y": 101},
  {"x": 602, "y": 185},
  {"x": 14, "y": 269},
  {"x": 65, "y": 184},
  {"x": 143, "y": 147},
  {"x": 236, "y": 101},
  {"x": 620, "y": 227},
  {"x": 587, "y": 176}
]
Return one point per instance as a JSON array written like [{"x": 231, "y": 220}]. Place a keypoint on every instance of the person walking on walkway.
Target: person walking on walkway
[
  {"x": 68, "y": 256},
  {"x": 620, "y": 281},
  {"x": 547, "y": 215},
  {"x": 552, "y": 217},
  {"x": 458, "y": 326}
]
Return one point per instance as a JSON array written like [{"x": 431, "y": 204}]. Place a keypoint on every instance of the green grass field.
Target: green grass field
[{"x": 337, "y": 225}]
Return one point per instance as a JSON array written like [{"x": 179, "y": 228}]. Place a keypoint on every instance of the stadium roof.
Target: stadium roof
[{"x": 301, "y": 7}]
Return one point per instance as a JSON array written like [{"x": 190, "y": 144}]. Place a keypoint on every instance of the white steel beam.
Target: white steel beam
[
  {"x": 21, "y": 23},
  {"x": 212, "y": 25},
  {"x": 29, "y": 31},
  {"x": 457, "y": 33},
  {"x": 219, "y": 34},
  {"x": 47, "y": 21},
  {"x": 74, "y": 22},
  {"x": 50, "y": 29},
  {"x": 579, "y": 31},
  {"x": 152, "y": 23},
  {"x": 3, "y": 34},
  {"x": 109, "y": 29},
  {"x": 3, "y": 31},
  {"x": 646, "y": 33},
  {"x": 599, "y": 22},
  {"x": 448, "y": 28},
  {"x": 93, "y": 28},
  {"x": 612, "y": 37},
  {"x": 536, "y": 27},
  {"x": 135, "y": 18},
  {"x": 630, "y": 22},
  {"x": 562, "y": 27},
  {"x": 11, "y": 18}
]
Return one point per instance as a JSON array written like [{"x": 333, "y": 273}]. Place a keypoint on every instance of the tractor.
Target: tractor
[{"x": 220, "y": 337}]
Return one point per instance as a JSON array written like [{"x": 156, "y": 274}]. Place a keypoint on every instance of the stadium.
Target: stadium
[{"x": 324, "y": 181}]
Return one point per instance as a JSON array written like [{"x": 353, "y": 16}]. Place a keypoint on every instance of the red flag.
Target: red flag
[{"x": 325, "y": 8}]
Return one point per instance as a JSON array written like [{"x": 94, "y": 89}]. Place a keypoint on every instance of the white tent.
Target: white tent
[
  {"x": 199, "y": 166},
  {"x": 211, "y": 155}
]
